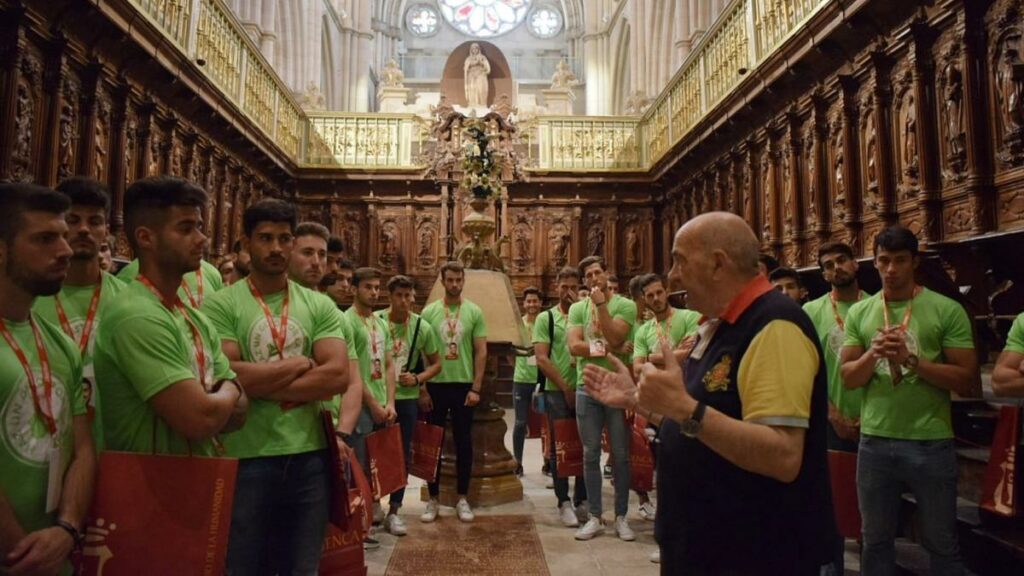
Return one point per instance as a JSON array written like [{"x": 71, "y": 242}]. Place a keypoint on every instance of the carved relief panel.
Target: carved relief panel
[
  {"x": 559, "y": 239},
  {"x": 522, "y": 240},
  {"x": 27, "y": 118},
  {"x": 1008, "y": 84},
  {"x": 869, "y": 154},
  {"x": 952, "y": 129},
  {"x": 101, "y": 137},
  {"x": 636, "y": 233},
  {"x": 427, "y": 241},
  {"x": 837, "y": 168},
  {"x": 353, "y": 223},
  {"x": 67, "y": 129},
  {"x": 389, "y": 255},
  {"x": 908, "y": 159}
]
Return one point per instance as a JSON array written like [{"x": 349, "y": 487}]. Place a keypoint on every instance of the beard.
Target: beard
[
  {"x": 843, "y": 281},
  {"x": 37, "y": 285}
]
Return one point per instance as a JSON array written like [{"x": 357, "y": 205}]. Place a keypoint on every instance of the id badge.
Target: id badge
[
  {"x": 453, "y": 352},
  {"x": 377, "y": 370},
  {"x": 531, "y": 360},
  {"x": 55, "y": 480},
  {"x": 598, "y": 349}
]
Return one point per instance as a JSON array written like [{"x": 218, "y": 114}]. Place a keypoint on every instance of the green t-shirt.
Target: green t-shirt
[
  {"x": 831, "y": 335},
  {"x": 372, "y": 342},
  {"x": 212, "y": 281},
  {"x": 619, "y": 307},
  {"x": 271, "y": 430},
  {"x": 1015, "y": 340},
  {"x": 526, "y": 366},
  {"x": 559, "y": 350},
  {"x": 912, "y": 409},
  {"x": 75, "y": 301},
  {"x": 143, "y": 349},
  {"x": 680, "y": 324},
  {"x": 26, "y": 442},
  {"x": 455, "y": 337},
  {"x": 401, "y": 339}
]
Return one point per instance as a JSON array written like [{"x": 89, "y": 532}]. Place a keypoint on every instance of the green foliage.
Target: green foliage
[{"x": 482, "y": 175}]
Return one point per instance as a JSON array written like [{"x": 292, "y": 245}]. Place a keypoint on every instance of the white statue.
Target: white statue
[
  {"x": 392, "y": 75},
  {"x": 476, "y": 69},
  {"x": 313, "y": 98},
  {"x": 563, "y": 78}
]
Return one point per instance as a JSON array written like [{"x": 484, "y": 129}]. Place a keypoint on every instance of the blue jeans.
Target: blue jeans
[
  {"x": 557, "y": 409},
  {"x": 522, "y": 395},
  {"x": 279, "y": 516},
  {"x": 592, "y": 417},
  {"x": 364, "y": 427},
  {"x": 407, "y": 410},
  {"x": 929, "y": 469}
]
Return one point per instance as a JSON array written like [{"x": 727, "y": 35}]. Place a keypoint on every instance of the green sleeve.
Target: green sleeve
[
  {"x": 626, "y": 311},
  {"x": 212, "y": 276},
  {"x": 577, "y": 316},
  {"x": 853, "y": 337},
  {"x": 479, "y": 327},
  {"x": 78, "y": 404},
  {"x": 346, "y": 329},
  {"x": 692, "y": 324},
  {"x": 221, "y": 365},
  {"x": 217, "y": 309},
  {"x": 1015, "y": 341},
  {"x": 129, "y": 272},
  {"x": 150, "y": 355},
  {"x": 640, "y": 348},
  {"x": 428, "y": 343},
  {"x": 541, "y": 328},
  {"x": 325, "y": 321},
  {"x": 957, "y": 333}
]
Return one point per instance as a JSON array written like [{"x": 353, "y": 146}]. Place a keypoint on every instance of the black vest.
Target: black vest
[{"x": 719, "y": 518}]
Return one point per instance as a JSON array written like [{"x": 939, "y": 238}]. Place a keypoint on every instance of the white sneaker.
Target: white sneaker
[
  {"x": 582, "y": 512},
  {"x": 395, "y": 525},
  {"x": 592, "y": 528},
  {"x": 656, "y": 556},
  {"x": 622, "y": 529},
  {"x": 464, "y": 511},
  {"x": 647, "y": 511},
  {"x": 567, "y": 515},
  {"x": 378, "y": 513},
  {"x": 430, "y": 514}
]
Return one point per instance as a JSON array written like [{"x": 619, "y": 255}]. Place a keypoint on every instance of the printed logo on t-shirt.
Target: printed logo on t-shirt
[
  {"x": 835, "y": 339},
  {"x": 447, "y": 337},
  {"x": 882, "y": 365},
  {"x": 24, "y": 432},
  {"x": 262, "y": 347}
]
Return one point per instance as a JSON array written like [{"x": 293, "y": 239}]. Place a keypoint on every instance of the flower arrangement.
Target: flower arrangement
[{"x": 482, "y": 175}]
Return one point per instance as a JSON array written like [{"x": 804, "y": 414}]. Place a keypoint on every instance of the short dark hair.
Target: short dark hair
[
  {"x": 334, "y": 244},
  {"x": 365, "y": 273},
  {"x": 834, "y": 248},
  {"x": 769, "y": 261},
  {"x": 451, "y": 266},
  {"x": 86, "y": 192},
  {"x": 236, "y": 246},
  {"x": 312, "y": 229},
  {"x": 149, "y": 198},
  {"x": 345, "y": 263},
  {"x": 532, "y": 290},
  {"x": 16, "y": 199},
  {"x": 269, "y": 210},
  {"x": 399, "y": 281},
  {"x": 648, "y": 279},
  {"x": 783, "y": 272},
  {"x": 896, "y": 238},
  {"x": 568, "y": 272},
  {"x": 634, "y": 286},
  {"x": 590, "y": 261},
  {"x": 613, "y": 278}
]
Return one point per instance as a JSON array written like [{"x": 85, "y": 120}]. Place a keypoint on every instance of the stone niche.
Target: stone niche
[{"x": 453, "y": 82}]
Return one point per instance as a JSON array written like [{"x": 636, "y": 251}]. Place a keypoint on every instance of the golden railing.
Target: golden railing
[{"x": 744, "y": 36}]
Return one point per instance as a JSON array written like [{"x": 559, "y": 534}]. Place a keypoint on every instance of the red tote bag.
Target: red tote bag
[
  {"x": 342, "y": 553},
  {"x": 568, "y": 448},
  {"x": 426, "y": 450},
  {"x": 641, "y": 462},
  {"x": 1001, "y": 488},
  {"x": 842, "y": 472},
  {"x": 159, "y": 515},
  {"x": 535, "y": 423},
  {"x": 387, "y": 461}
]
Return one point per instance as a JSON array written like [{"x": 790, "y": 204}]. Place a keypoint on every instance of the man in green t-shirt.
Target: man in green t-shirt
[
  {"x": 196, "y": 286},
  {"x": 87, "y": 290},
  {"x": 1008, "y": 374},
  {"x": 524, "y": 379},
  {"x": 673, "y": 324},
  {"x": 460, "y": 326},
  {"x": 287, "y": 345},
  {"x": 47, "y": 461},
  {"x": 166, "y": 386},
  {"x": 416, "y": 359},
  {"x": 598, "y": 325},
  {"x": 908, "y": 347},
  {"x": 551, "y": 345}
]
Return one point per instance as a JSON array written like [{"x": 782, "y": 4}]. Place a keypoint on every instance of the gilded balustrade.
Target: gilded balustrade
[
  {"x": 173, "y": 17},
  {"x": 361, "y": 140},
  {"x": 574, "y": 143}
]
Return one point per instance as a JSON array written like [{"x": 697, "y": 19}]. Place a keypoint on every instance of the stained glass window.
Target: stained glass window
[
  {"x": 422, "y": 20},
  {"x": 484, "y": 18},
  {"x": 545, "y": 22}
]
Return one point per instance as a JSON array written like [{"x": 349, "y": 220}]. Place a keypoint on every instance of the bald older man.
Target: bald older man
[{"x": 742, "y": 464}]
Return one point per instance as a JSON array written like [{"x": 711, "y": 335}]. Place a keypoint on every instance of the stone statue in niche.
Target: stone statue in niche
[
  {"x": 634, "y": 255},
  {"x": 595, "y": 239},
  {"x": 953, "y": 107},
  {"x": 910, "y": 155},
  {"x": 392, "y": 76},
  {"x": 25, "y": 114},
  {"x": 476, "y": 69},
  {"x": 521, "y": 234},
  {"x": 563, "y": 78},
  {"x": 559, "y": 239},
  {"x": 65, "y": 142}
]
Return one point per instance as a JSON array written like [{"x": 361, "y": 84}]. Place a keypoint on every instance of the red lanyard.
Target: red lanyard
[
  {"x": 664, "y": 332},
  {"x": 90, "y": 318},
  {"x": 197, "y": 338},
  {"x": 279, "y": 334},
  {"x": 396, "y": 342},
  {"x": 43, "y": 404},
  {"x": 370, "y": 323},
  {"x": 835, "y": 310},
  {"x": 195, "y": 302},
  {"x": 452, "y": 320},
  {"x": 906, "y": 315},
  {"x": 595, "y": 321}
]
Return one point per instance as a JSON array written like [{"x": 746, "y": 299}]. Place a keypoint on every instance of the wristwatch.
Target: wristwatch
[
  {"x": 691, "y": 427},
  {"x": 911, "y": 362}
]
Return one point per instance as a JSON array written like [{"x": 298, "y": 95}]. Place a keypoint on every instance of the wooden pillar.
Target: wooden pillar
[
  {"x": 752, "y": 210},
  {"x": 89, "y": 110},
  {"x": 970, "y": 27},
  {"x": 118, "y": 161},
  {"x": 773, "y": 218},
  {"x": 54, "y": 77},
  {"x": 794, "y": 188},
  {"x": 12, "y": 36},
  {"x": 822, "y": 171},
  {"x": 851, "y": 163},
  {"x": 884, "y": 154},
  {"x": 929, "y": 162}
]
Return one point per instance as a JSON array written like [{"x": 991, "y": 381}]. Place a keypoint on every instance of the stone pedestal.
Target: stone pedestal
[
  {"x": 558, "y": 101},
  {"x": 392, "y": 99}
]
